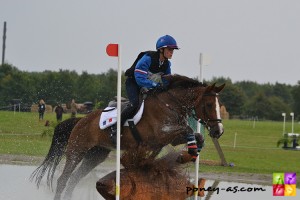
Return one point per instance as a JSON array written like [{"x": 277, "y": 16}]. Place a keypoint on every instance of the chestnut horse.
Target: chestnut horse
[{"x": 164, "y": 122}]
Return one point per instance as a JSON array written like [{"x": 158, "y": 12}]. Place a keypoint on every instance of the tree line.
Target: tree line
[{"x": 243, "y": 99}]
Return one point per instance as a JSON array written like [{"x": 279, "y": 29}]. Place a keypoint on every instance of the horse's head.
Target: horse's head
[
  {"x": 208, "y": 110},
  {"x": 204, "y": 100}
]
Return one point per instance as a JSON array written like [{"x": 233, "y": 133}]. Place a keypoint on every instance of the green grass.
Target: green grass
[
  {"x": 23, "y": 122},
  {"x": 21, "y": 133},
  {"x": 256, "y": 148},
  {"x": 34, "y": 145}
]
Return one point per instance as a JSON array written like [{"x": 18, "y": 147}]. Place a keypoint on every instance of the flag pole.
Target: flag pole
[
  {"x": 196, "y": 184},
  {"x": 115, "y": 51},
  {"x": 118, "y": 162}
]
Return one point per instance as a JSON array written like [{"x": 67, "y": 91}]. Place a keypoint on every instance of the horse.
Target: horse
[{"x": 164, "y": 122}]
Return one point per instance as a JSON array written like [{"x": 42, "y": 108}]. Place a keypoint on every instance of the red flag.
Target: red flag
[{"x": 112, "y": 50}]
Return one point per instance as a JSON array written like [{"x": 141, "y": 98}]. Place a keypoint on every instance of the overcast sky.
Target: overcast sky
[{"x": 256, "y": 40}]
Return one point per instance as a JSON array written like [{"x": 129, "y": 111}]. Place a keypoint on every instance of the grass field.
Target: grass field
[
  {"x": 21, "y": 133},
  {"x": 255, "y": 150}
]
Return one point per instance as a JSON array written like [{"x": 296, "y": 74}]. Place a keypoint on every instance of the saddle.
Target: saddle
[{"x": 109, "y": 114}]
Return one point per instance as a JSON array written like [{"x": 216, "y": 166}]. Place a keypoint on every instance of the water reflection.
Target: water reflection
[{"x": 15, "y": 185}]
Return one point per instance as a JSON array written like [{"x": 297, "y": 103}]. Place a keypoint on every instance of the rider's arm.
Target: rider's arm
[{"x": 141, "y": 73}]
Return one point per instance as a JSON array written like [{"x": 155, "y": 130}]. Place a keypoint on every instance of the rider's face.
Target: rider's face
[{"x": 168, "y": 52}]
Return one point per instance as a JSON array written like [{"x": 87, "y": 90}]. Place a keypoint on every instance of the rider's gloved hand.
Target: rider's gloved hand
[
  {"x": 159, "y": 86},
  {"x": 144, "y": 90}
]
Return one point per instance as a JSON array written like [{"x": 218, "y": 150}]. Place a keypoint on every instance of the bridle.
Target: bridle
[{"x": 203, "y": 122}]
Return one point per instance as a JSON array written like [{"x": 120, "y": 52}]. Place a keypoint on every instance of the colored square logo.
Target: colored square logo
[
  {"x": 290, "y": 178},
  {"x": 290, "y": 190},
  {"x": 278, "y": 190},
  {"x": 278, "y": 178},
  {"x": 284, "y": 184}
]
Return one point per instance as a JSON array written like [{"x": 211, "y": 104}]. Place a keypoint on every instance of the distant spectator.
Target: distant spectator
[
  {"x": 42, "y": 108},
  {"x": 73, "y": 108},
  {"x": 59, "y": 112}
]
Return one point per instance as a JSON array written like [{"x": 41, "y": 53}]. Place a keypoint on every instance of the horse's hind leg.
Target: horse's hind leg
[
  {"x": 71, "y": 163},
  {"x": 94, "y": 157}
]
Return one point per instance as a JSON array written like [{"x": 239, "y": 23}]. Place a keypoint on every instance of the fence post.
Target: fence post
[{"x": 234, "y": 141}]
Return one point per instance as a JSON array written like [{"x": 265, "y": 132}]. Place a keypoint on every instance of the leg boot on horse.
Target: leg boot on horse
[
  {"x": 195, "y": 143},
  {"x": 192, "y": 147}
]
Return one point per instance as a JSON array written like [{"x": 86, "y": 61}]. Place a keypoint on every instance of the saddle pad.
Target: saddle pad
[{"x": 109, "y": 117}]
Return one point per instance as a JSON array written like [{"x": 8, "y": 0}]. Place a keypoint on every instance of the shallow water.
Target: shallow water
[{"x": 15, "y": 185}]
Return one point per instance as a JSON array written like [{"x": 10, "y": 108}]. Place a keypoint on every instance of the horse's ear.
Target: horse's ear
[
  {"x": 219, "y": 88},
  {"x": 210, "y": 88}
]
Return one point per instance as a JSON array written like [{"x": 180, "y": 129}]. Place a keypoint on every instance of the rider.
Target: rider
[
  {"x": 147, "y": 75},
  {"x": 148, "y": 72}
]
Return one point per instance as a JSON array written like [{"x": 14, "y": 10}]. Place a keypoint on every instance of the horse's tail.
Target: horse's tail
[{"x": 59, "y": 142}]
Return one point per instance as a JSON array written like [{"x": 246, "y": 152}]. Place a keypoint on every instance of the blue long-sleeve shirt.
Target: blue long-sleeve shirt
[{"x": 142, "y": 72}]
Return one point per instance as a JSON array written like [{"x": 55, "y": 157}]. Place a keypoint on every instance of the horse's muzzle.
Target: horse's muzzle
[{"x": 216, "y": 131}]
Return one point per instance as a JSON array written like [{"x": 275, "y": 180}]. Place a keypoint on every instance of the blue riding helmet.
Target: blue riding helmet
[{"x": 166, "y": 41}]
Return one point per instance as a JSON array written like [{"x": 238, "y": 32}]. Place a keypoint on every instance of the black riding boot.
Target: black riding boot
[{"x": 127, "y": 113}]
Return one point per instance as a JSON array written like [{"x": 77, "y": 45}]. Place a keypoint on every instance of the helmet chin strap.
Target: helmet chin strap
[{"x": 163, "y": 53}]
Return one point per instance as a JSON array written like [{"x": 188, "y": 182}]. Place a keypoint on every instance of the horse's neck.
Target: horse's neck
[
  {"x": 183, "y": 97},
  {"x": 170, "y": 103}
]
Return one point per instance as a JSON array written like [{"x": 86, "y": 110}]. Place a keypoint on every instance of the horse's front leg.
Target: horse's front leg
[{"x": 194, "y": 141}]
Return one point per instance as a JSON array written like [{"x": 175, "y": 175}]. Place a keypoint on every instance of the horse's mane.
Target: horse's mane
[{"x": 176, "y": 81}]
